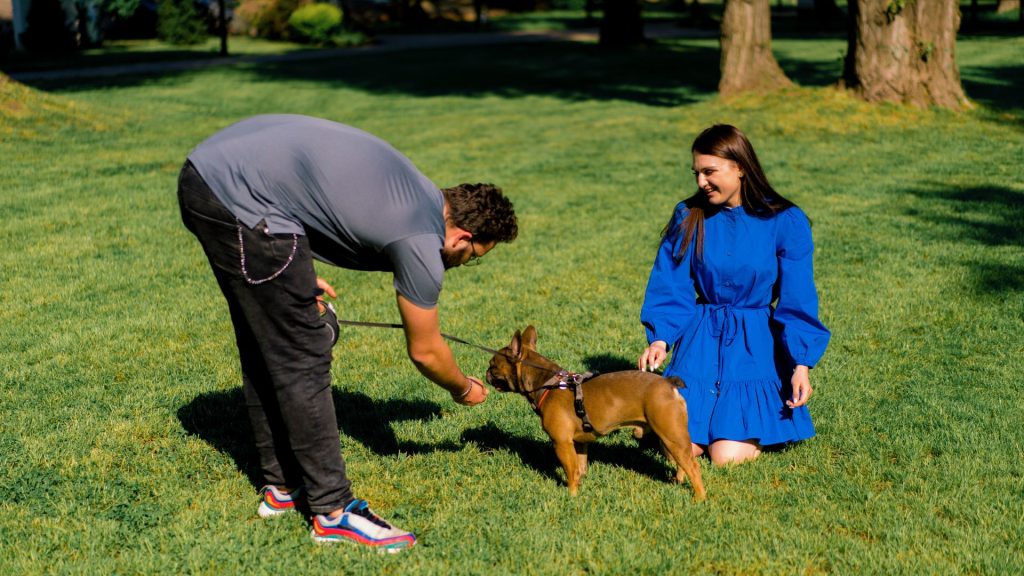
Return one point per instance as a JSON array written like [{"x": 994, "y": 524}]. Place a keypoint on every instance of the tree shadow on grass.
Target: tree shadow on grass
[
  {"x": 811, "y": 73},
  {"x": 988, "y": 215},
  {"x": 220, "y": 419},
  {"x": 657, "y": 74},
  {"x": 540, "y": 455},
  {"x": 990, "y": 278},
  {"x": 997, "y": 87},
  {"x": 112, "y": 56}
]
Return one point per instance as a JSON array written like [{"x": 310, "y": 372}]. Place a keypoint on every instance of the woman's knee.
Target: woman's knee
[{"x": 732, "y": 452}]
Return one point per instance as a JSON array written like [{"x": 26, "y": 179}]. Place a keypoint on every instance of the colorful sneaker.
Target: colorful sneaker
[
  {"x": 360, "y": 525},
  {"x": 276, "y": 501}
]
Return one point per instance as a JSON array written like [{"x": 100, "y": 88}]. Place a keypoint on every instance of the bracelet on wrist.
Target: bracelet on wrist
[{"x": 469, "y": 389}]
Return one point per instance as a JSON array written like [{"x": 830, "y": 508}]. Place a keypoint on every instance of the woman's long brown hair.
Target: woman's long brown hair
[{"x": 758, "y": 196}]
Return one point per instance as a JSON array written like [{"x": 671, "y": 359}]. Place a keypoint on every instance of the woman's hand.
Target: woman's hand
[
  {"x": 653, "y": 356},
  {"x": 801, "y": 387}
]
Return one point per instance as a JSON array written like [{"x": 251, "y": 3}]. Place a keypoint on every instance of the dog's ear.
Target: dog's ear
[
  {"x": 530, "y": 337},
  {"x": 516, "y": 344}
]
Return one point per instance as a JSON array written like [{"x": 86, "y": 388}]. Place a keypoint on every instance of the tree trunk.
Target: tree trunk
[
  {"x": 589, "y": 6},
  {"x": 222, "y": 25},
  {"x": 479, "y": 12},
  {"x": 747, "y": 60},
  {"x": 621, "y": 24},
  {"x": 1007, "y": 6},
  {"x": 904, "y": 51}
]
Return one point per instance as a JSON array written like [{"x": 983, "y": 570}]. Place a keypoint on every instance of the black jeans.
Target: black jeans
[{"x": 284, "y": 345}]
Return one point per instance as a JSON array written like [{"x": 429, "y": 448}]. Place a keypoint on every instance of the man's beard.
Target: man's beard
[{"x": 450, "y": 259}]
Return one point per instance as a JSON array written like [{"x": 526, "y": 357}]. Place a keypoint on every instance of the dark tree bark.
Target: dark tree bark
[
  {"x": 747, "y": 60},
  {"x": 480, "y": 12},
  {"x": 589, "y": 7},
  {"x": 904, "y": 51},
  {"x": 222, "y": 25},
  {"x": 621, "y": 24},
  {"x": 85, "y": 39}
]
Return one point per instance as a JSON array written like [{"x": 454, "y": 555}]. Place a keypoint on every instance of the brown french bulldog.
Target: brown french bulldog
[{"x": 631, "y": 398}]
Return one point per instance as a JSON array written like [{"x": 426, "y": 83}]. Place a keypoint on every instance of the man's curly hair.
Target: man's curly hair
[{"x": 482, "y": 210}]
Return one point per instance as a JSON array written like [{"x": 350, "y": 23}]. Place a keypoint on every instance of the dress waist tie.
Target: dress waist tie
[{"x": 724, "y": 325}]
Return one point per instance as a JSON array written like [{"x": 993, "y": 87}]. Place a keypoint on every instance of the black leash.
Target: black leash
[
  {"x": 568, "y": 380},
  {"x": 446, "y": 337}
]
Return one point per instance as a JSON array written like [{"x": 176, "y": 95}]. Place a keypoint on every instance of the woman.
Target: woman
[{"x": 740, "y": 246}]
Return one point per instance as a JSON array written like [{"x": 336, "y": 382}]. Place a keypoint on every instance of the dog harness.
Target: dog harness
[{"x": 565, "y": 380}]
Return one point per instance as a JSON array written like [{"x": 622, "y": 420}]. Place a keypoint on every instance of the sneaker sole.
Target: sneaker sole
[
  {"x": 394, "y": 548},
  {"x": 265, "y": 511}
]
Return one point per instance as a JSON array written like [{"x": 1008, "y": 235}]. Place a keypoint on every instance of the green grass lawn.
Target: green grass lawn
[{"x": 125, "y": 448}]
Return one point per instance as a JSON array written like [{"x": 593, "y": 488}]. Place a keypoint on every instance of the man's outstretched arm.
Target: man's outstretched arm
[{"x": 432, "y": 356}]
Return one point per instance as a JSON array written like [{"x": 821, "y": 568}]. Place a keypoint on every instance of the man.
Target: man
[{"x": 265, "y": 197}]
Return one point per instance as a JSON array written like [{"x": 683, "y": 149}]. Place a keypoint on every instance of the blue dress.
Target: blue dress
[{"x": 735, "y": 350}]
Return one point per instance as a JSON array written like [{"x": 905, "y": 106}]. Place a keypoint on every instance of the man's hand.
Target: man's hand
[
  {"x": 323, "y": 287},
  {"x": 475, "y": 393},
  {"x": 653, "y": 356}
]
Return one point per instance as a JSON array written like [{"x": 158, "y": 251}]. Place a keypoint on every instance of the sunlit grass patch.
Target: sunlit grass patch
[
  {"x": 125, "y": 442},
  {"x": 26, "y": 113}
]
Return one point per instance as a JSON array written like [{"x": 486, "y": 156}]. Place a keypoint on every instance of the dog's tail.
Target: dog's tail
[{"x": 676, "y": 381}]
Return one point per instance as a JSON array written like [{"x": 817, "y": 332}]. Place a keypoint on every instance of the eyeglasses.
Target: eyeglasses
[{"x": 474, "y": 259}]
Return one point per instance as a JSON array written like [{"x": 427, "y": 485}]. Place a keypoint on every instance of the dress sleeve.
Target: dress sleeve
[
  {"x": 796, "y": 313},
  {"x": 670, "y": 300}
]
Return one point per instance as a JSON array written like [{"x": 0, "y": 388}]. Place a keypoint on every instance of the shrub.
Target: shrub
[
  {"x": 265, "y": 18},
  {"x": 316, "y": 23},
  {"x": 123, "y": 19},
  {"x": 181, "y": 22},
  {"x": 349, "y": 38}
]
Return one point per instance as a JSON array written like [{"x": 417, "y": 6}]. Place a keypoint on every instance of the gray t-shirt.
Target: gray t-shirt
[{"x": 362, "y": 204}]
